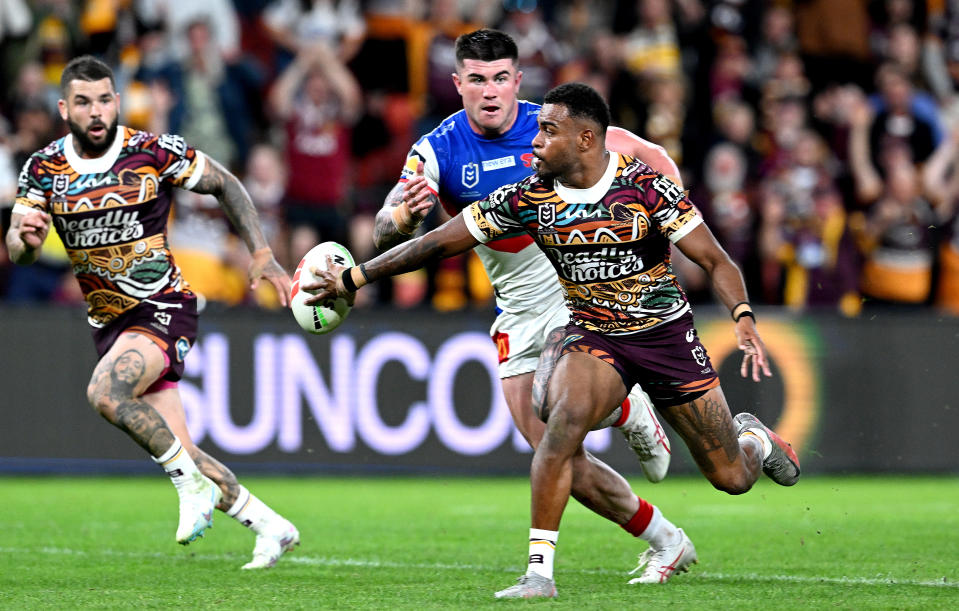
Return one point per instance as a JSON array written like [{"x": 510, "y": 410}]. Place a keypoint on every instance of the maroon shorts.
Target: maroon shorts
[
  {"x": 669, "y": 361},
  {"x": 170, "y": 320}
]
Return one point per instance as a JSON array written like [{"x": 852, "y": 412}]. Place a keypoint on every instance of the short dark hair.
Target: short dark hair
[
  {"x": 580, "y": 101},
  {"x": 85, "y": 68},
  {"x": 485, "y": 45}
]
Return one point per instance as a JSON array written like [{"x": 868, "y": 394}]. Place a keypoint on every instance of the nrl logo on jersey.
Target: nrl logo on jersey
[
  {"x": 61, "y": 182},
  {"x": 470, "y": 174},
  {"x": 546, "y": 215}
]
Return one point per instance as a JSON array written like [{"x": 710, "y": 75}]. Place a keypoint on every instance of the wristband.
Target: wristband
[
  {"x": 348, "y": 279},
  {"x": 403, "y": 219},
  {"x": 366, "y": 278},
  {"x": 742, "y": 309}
]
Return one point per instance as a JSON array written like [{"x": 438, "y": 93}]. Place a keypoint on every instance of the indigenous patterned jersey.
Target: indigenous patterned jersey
[
  {"x": 609, "y": 244},
  {"x": 461, "y": 167},
  {"x": 111, "y": 214}
]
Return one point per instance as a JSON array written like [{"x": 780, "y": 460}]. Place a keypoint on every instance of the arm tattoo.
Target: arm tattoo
[
  {"x": 405, "y": 258},
  {"x": 235, "y": 201},
  {"x": 385, "y": 234},
  {"x": 544, "y": 370}
]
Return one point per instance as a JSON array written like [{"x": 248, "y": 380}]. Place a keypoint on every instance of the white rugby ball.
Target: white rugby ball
[{"x": 327, "y": 315}]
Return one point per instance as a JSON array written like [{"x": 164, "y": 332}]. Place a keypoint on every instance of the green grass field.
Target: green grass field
[{"x": 414, "y": 543}]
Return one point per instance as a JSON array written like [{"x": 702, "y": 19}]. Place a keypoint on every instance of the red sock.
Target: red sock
[
  {"x": 638, "y": 523},
  {"x": 625, "y": 415}
]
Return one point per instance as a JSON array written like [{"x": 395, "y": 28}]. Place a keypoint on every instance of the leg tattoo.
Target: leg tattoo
[
  {"x": 144, "y": 425},
  {"x": 221, "y": 476},
  {"x": 544, "y": 370}
]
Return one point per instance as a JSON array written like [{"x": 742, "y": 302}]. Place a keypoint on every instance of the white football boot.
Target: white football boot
[
  {"x": 275, "y": 540},
  {"x": 646, "y": 436},
  {"x": 530, "y": 585},
  {"x": 658, "y": 565},
  {"x": 198, "y": 499}
]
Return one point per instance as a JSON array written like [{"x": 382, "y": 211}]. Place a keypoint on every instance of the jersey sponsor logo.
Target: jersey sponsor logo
[
  {"x": 23, "y": 178},
  {"x": 445, "y": 129},
  {"x": 498, "y": 164},
  {"x": 86, "y": 183},
  {"x": 502, "y": 346},
  {"x": 470, "y": 174},
  {"x": 527, "y": 159},
  {"x": 668, "y": 189},
  {"x": 609, "y": 263},
  {"x": 114, "y": 227},
  {"x": 173, "y": 143},
  {"x": 582, "y": 213}
]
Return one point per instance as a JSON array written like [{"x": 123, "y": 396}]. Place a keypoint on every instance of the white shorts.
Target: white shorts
[{"x": 519, "y": 338}]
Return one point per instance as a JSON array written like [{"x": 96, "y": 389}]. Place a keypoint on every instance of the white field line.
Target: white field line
[{"x": 325, "y": 561}]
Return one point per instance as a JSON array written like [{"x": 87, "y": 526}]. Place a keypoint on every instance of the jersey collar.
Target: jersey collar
[
  {"x": 96, "y": 165},
  {"x": 593, "y": 194}
]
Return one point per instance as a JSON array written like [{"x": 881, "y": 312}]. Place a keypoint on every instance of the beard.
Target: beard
[
  {"x": 542, "y": 171},
  {"x": 87, "y": 144}
]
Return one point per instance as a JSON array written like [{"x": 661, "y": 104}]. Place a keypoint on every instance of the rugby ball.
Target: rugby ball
[{"x": 329, "y": 314}]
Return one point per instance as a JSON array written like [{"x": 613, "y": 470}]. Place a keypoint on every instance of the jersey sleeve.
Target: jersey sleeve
[
  {"x": 489, "y": 218},
  {"x": 31, "y": 188},
  {"x": 178, "y": 163},
  {"x": 423, "y": 151},
  {"x": 669, "y": 208}
]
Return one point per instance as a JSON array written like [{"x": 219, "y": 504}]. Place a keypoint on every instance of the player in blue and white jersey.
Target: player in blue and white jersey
[{"x": 470, "y": 154}]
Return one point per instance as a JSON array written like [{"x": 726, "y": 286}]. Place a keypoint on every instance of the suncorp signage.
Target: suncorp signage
[{"x": 291, "y": 390}]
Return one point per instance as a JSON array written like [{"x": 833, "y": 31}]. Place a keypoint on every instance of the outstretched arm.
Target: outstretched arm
[
  {"x": 447, "y": 240},
  {"x": 235, "y": 201},
  {"x": 701, "y": 247},
  {"x": 406, "y": 205}
]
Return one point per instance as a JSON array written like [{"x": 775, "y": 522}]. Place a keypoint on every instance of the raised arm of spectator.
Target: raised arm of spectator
[
  {"x": 867, "y": 181},
  {"x": 939, "y": 185}
]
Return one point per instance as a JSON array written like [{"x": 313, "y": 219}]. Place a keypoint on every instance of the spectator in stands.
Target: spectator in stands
[
  {"x": 540, "y": 53},
  {"x": 297, "y": 24},
  {"x": 317, "y": 100}
]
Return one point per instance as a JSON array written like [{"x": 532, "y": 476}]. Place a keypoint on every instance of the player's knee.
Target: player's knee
[
  {"x": 99, "y": 399},
  {"x": 731, "y": 481}
]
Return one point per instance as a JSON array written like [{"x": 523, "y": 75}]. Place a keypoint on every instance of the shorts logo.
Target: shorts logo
[
  {"x": 470, "y": 174},
  {"x": 502, "y": 346},
  {"x": 700, "y": 355},
  {"x": 690, "y": 335},
  {"x": 182, "y": 347},
  {"x": 163, "y": 318}
]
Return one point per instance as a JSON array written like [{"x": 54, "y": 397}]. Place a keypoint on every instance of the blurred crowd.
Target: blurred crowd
[{"x": 819, "y": 138}]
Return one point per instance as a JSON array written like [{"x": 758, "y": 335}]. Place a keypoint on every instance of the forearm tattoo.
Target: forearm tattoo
[
  {"x": 235, "y": 201},
  {"x": 385, "y": 234},
  {"x": 544, "y": 370},
  {"x": 405, "y": 258}
]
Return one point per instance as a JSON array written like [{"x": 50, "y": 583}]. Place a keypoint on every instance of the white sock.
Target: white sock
[
  {"x": 660, "y": 532},
  {"x": 542, "y": 548},
  {"x": 763, "y": 439},
  {"x": 251, "y": 511},
  {"x": 178, "y": 465}
]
